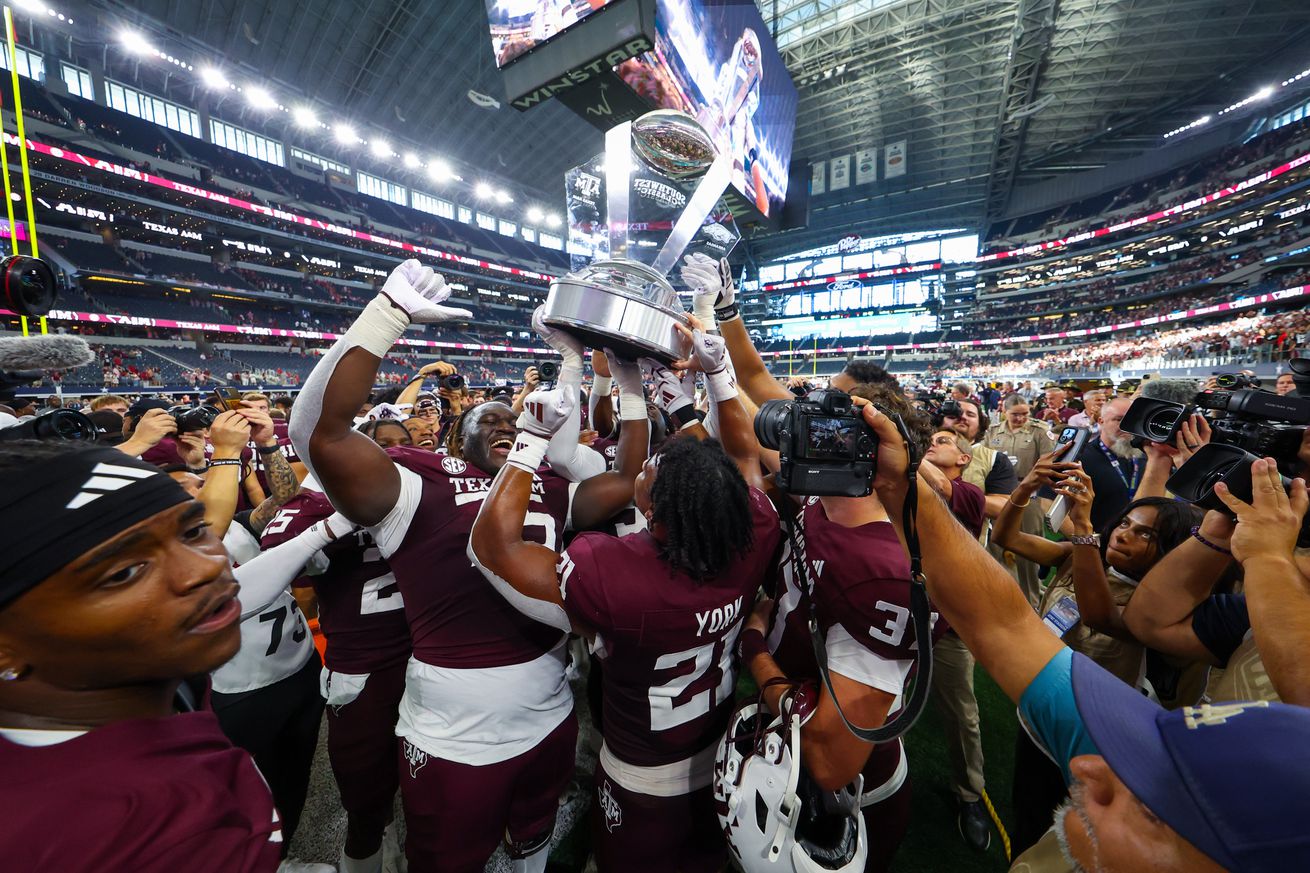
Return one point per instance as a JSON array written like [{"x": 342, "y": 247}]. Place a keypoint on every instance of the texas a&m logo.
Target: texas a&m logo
[{"x": 609, "y": 807}]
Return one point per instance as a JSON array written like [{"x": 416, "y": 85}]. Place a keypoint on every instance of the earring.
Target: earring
[{"x": 9, "y": 675}]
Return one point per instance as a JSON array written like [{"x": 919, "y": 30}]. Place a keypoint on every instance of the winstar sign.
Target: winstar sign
[{"x": 585, "y": 73}]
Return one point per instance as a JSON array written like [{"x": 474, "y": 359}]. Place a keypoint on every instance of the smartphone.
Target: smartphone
[
  {"x": 227, "y": 399},
  {"x": 1068, "y": 445}
]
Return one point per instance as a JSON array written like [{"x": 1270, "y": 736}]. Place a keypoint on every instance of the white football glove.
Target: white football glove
[
  {"x": 671, "y": 393},
  {"x": 544, "y": 412},
  {"x": 632, "y": 393},
  {"x": 569, "y": 346},
  {"x": 711, "y": 285},
  {"x": 710, "y": 352},
  {"x": 337, "y": 525},
  {"x": 419, "y": 291}
]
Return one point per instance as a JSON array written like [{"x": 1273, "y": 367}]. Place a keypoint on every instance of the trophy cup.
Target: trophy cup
[{"x": 634, "y": 211}]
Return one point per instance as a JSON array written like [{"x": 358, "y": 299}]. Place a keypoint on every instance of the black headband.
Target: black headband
[{"x": 59, "y": 508}]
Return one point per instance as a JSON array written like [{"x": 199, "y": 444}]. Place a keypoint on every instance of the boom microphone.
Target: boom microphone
[
  {"x": 44, "y": 352},
  {"x": 1174, "y": 390}
]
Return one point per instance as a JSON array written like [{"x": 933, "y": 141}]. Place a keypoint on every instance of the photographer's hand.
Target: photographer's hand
[
  {"x": 191, "y": 449},
  {"x": 1277, "y": 595},
  {"x": 1194, "y": 433},
  {"x": 150, "y": 429},
  {"x": 1268, "y": 526},
  {"x": 441, "y": 368},
  {"x": 229, "y": 434},
  {"x": 1077, "y": 489}
]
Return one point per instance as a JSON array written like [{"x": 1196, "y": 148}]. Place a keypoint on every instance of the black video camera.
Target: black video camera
[
  {"x": 193, "y": 418},
  {"x": 62, "y": 424},
  {"x": 27, "y": 285},
  {"x": 826, "y": 448},
  {"x": 1234, "y": 381},
  {"x": 950, "y": 408},
  {"x": 1213, "y": 463}
]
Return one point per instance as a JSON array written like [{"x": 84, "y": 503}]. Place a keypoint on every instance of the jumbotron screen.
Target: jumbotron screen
[
  {"x": 715, "y": 60},
  {"x": 520, "y": 25}
]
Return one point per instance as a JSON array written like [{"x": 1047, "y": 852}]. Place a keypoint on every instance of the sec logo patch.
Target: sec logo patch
[{"x": 453, "y": 466}]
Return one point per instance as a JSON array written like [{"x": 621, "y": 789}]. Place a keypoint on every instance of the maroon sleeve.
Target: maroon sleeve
[
  {"x": 295, "y": 518},
  {"x": 968, "y": 505},
  {"x": 581, "y": 585},
  {"x": 284, "y": 442}
]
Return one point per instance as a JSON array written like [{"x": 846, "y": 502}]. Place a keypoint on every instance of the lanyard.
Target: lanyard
[{"x": 1114, "y": 465}]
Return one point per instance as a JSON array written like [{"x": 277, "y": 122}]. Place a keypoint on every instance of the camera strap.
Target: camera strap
[{"x": 920, "y": 610}]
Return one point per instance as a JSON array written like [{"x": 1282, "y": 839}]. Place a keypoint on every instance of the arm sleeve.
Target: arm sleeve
[
  {"x": 1001, "y": 478},
  {"x": 570, "y": 458},
  {"x": 1049, "y": 714},
  {"x": 581, "y": 587},
  {"x": 1221, "y": 623},
  {"x": 270, "y": 573}
]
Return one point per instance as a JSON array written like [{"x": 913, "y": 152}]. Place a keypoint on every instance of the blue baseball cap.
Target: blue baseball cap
[{"x": 1233, "y": 779}]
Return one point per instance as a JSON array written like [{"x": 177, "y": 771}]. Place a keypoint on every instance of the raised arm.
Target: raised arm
[
  {"x": 715, "y": 305},
  {"x": 524, "y": 573},
  {"x": 356, "y": 473},
  {"x": 736, "y": 428},
  {"x": 1160, "y": 611},
  {"x": 269, "y": 573},
  {"x": 600, "y": 497},
  {"x": 1006, "y": 530},
  {"x": 410, "y": 394},
  {"x": 969, "y": 589},
  {"x": 1091, "y": 588},
  {"x": 600, "y": 409},
  {"x": 1277, "y": 595},
  {"x": 229, "y": 434},
  {"x": 566, "y": 455}
]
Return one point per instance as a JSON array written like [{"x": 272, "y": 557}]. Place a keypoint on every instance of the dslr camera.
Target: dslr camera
[
  {"x": 826, "y": 448},
  {"x": 453, "y": 382},
  {"x": 193, "y": 418},
  {"x": 547, "y": 371},
  {"x": 60, "y": 425}
]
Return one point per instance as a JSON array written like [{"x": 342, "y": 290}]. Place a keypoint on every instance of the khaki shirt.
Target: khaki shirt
[{"x": 1024, "y": 446}]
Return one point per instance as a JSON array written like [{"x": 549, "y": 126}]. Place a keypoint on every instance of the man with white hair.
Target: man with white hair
[{"x": 1115, "y": 466}]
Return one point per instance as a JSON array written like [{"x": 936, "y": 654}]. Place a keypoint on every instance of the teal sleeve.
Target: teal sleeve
[{"x": 1050, "y": 715}]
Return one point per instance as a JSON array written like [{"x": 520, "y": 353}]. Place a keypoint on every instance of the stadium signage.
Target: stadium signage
[
  {"x": 248, "y": 247},
  {"x": 1295, "y": 210},
  {"x": 846, "y": 285},
  {"x": 664, "y": 195},
  {"x": 83, "y": 212},
  {"x": 321, "y": 262},
  {"x": 1241, "y": 228},
  {"x": 171, "y": 231},
  {"x": 586, "y": 72},
  {"x": 1172, "y": 247},
  {"x": 373, "y": 271},
  {"x": 848, "y": 243}
]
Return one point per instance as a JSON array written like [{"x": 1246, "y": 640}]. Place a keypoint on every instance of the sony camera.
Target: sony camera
[
  {"x": 193, "y": 418},
  {"x": 1234, "y": 381},
  {"x": 826, "y": 448},
  {"x": 62, "y": 424}
]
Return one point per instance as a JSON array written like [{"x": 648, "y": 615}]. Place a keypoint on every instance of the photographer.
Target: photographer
[
  {"x": 1096, "y": 575},
  {"x": 988, "y": 468},
  {"x": 1022, "y": 440},
  {"x": 1196, "y": 790},
  {"x": 1176, "y": 610}
]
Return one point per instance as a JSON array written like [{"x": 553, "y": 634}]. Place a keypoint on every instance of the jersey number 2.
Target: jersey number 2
[{"x": 710, "y": 680}]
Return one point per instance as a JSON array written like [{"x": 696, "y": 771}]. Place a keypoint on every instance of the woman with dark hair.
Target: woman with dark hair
[
  {"x": 1095, "y": 577},
  {"x": 386, "y": 432}
]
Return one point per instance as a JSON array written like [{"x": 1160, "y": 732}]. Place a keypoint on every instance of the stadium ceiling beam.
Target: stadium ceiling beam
[{"x": 1034, "y": 30}]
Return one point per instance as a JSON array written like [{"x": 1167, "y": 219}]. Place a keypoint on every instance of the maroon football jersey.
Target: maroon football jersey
[
  {"x": 456, "y": 618},
  {"x": 360, "y": 608},
  {"x": 158, "y": 795},
  {"x": 668, "y": 641},
  {"x": 608, "y": 448},
  {"x": 861, "y": 581},
  {"x": 968, "y": 505},
  {"x": 284, "y": 446}
]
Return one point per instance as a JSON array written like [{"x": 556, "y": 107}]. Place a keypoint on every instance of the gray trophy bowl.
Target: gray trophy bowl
[
  {"x": 621, "y": 305},
  {"x": 673, "y": 144}
]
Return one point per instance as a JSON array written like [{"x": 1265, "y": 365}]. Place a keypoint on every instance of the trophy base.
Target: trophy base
[{"x": 620, "y": 305}]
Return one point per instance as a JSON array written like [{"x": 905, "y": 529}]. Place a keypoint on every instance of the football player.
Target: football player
[
  {"x": 860, "y": 579},
  {"x": 361, "y": 613},
  {"x": 112, "y": 589},
  {"x": 665, "y": 626},
  {"x": 486, "y": 716}
]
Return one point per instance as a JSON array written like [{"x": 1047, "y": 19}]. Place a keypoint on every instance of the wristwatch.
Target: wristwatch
[{"x": 1091, "y": 539}]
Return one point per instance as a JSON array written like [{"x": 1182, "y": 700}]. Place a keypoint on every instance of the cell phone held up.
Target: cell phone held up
[{"x": 1068, "y": 446}]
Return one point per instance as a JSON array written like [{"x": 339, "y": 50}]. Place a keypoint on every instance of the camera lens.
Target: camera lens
[
  {"x": 769, "y": 423},
  {"x": 453, "y": 382},
  {"x": 27, "y": 286},
  {"x": 1160, "y": 425},
  {"x": 1215, "y": 475},
  {"x": 62, "y": 425}
]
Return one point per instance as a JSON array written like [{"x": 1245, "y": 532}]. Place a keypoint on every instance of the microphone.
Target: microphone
[
  {"x": 44, "y": 352},
  {"x": 1174, "y": 390}
]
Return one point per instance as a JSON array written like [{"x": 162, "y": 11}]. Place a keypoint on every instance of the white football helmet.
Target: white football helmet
[{"x": 775, "y": 816}]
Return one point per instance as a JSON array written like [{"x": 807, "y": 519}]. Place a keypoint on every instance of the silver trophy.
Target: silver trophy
[{"x": 634, "y": 211}]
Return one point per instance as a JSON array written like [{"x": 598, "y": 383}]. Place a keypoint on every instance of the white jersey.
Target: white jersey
[{"x": 275, "y": 642}]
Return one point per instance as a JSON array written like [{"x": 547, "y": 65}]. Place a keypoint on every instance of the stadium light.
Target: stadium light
[
  {"x": 345, "y": 134},
  {"x": 535, "y": 215},
  {"x": 484, "y": 191},
  {"x": 380, "y": 148},
  {"x": 135, "y": 43},
  {"x": 304, "y": 117},
  {"x": 411, "y": 160},
  {"x": 214, "y": 78},
  {"x": 259, "y": 98},
  {"x": 502, "y": 197},
  {"x": 553, "y": 220},
  {"x": 1264, "y": 93},
  {"x": 438, "y": 170}
]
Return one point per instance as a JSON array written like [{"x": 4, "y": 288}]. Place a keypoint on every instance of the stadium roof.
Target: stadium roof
[{"x": 986, "y": 93}]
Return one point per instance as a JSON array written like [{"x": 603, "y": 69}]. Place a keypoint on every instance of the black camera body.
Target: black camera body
[
  {"x": 1234, "y": 381},
  {"x": 59, "y": 425},
  {"x": 27, "y": 285},
  {"x": 950, "y": 408},
  {"x": 547, "y": 371},
  {"x": 1230, "y": 464},
  {"x": 1261, "y": 422},
  {"x": 193, "y": 418},
  {"x": 825, "y": 447},
  {"x": 452, "y": 382}
]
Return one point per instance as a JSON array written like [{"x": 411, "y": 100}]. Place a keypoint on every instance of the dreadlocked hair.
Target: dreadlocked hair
[
  {"x": 454, "y": 440},
  {"x": 701, "y": 499}
]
